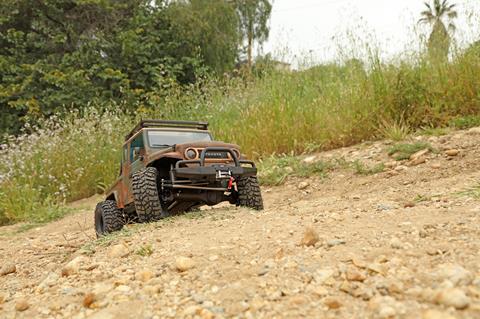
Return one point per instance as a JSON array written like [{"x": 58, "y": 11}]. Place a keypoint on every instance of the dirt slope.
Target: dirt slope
[{"x": 398, "y": 244}]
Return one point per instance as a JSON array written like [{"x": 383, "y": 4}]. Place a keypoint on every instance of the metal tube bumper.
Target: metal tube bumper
[{"x": 210, "y": 172}]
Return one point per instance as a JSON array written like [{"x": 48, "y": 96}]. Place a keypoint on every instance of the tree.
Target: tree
[
  {"x": 435, "y": 16},
  {"x": 58, "y": 55},
  {"x": 254, "y": 16},
  {"x": 211, "y": 28}
]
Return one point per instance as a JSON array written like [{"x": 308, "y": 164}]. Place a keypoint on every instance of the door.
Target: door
[{"x": 136, "y": 154}]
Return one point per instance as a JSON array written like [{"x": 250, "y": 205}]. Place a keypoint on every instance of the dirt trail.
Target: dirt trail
[{"x": 402, "y": 243}]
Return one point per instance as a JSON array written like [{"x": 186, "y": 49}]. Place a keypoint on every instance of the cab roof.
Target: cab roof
[{"x": 167, "y": 124}]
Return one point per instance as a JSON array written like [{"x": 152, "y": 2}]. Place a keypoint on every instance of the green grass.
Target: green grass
[
  {"x": 473, "y": 192},
  {"x": 107, "y": 240},
  {"x": 421, "y": 198},
  {"x": 145, "y": 250},
  {"x": 274, "y": 170},
  {"x": 464, "y": 122},
  {"x": 362, "y": 169},
  {"x": 403, "y": 151}
]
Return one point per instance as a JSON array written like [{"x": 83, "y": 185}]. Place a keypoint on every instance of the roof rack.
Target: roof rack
[{"x": 166, "y": 123}]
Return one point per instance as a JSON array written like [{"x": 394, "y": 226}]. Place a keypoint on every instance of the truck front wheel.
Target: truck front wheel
[
  {"x": 249, "y": 194},
  {"x": 146, "y": 195}
]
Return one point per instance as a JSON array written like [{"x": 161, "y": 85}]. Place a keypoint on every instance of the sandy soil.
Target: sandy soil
[{"x": 403, "y": 243}]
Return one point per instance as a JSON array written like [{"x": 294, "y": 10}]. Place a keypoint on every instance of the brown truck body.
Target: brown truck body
[{"x": 196, "y": 172}]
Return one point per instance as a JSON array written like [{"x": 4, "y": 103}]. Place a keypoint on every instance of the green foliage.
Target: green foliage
[
  {"x": 145, "y": 250},
  {"x": 439, "y": 40},
  {"x": 464, "y": 122},
  {"x": 403, "y": 151},
  {"x": 275, "y": 169},
  {"x": 65, "y": 160},
  {"x": 362, "y": 169},
  {"x": 63, "y": 55},
  {"x": 434, "y": 131}
]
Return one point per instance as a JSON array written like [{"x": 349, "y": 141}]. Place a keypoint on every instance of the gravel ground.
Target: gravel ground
[{"x": 402, "y": 243}]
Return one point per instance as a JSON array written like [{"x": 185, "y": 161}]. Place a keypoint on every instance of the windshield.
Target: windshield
[{"x": 168, "y": 138}]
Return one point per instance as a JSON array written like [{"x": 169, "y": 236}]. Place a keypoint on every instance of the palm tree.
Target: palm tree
[{"x": 439, "y": 41}]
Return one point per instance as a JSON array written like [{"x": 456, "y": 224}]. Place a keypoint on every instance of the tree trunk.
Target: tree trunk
[{"x": 249, "y": 51}]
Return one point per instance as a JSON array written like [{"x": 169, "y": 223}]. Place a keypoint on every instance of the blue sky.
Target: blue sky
[{"x": 316, "y": 28}]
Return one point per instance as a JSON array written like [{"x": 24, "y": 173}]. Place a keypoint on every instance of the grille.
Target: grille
[{"x": 220, "y": 155}]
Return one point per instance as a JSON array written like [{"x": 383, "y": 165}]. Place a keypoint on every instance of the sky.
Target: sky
[{"x": 314, "y": 30}]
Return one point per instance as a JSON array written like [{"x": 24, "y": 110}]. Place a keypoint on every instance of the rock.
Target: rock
[
  {"x": 434, "y": 314},
  {"x": 345, "y": 286},
  {"x": 8, "y": 268},
  {"x": 452, "y": 152},
  {"x": 73, "y": 266},
  {"x": 310, "y": 237},
  {"x": 419, "y": 154},
  {"x": 418, "y": 161},
  {"x": 386, "y": 311},
  {"x": 409, "y": 204},
  {"x": 377, "y": 268},
  {"x": 474, "y": 130},
  {"x": 262, "y": 271},
  {"x": 336, "y": 242},
  {"x": 190, "y": 310},
  {"x": 401, "y": 168},
  {"x": 332, "y": 302},
  {"x": 303, "y": 185},
  {"x": 21, "y": 304},
  {"x": 298, "y": 300},
  {"x": 386, "y": 307},
  {"x": 320, "y": 291},
  {"x": 436, "y": 166},
  {"x": 144, "y": 275},
  {"x": 456, "y": 274},
  {"x": 324, "y": 275},
  {"x": 353, "y": 274},
  {"x": 358, "y": 262},
  {"x": 184, "y": 263},
  {"x": 279, "y": 254},
  {"x": 205, "y": 313},
  {"x": 452, "y": 297},
  {"x": 123, "y": 288},
  {"x": 396, "y": 243},
  {"x": 391, "y": 164},
  {"x": 118, "y": 251},
  {"x": 49, "y": 281},
  {"x": 88, "y": 299},
  {"x": 309, "y": 159}
]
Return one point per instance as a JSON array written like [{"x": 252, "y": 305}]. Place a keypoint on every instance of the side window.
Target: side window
[{"x": 137, "y": 148}]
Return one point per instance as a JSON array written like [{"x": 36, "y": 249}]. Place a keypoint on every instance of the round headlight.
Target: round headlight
[{"x": 191, "y": 153}]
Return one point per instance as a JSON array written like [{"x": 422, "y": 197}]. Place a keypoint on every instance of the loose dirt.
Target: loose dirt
[{"x": 402, "y": 243}]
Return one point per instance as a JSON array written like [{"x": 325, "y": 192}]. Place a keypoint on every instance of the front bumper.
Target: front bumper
[{"x": 214, "y": 172}]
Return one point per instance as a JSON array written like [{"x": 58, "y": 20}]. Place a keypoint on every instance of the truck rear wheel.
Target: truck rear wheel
[
  {"x": 108, "y": 218},
  {"x": 146, "y": 195},
  {"x": 249, "y": 194}
]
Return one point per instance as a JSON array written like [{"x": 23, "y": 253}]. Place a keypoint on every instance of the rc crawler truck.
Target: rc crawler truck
[{"x": 170, "y": 167}]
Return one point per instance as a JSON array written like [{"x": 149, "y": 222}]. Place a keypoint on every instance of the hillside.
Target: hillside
[{"x": 401, "y": 243}]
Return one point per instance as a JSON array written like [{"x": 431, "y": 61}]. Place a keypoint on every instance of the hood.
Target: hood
[{"x": 179, "y": 150}]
